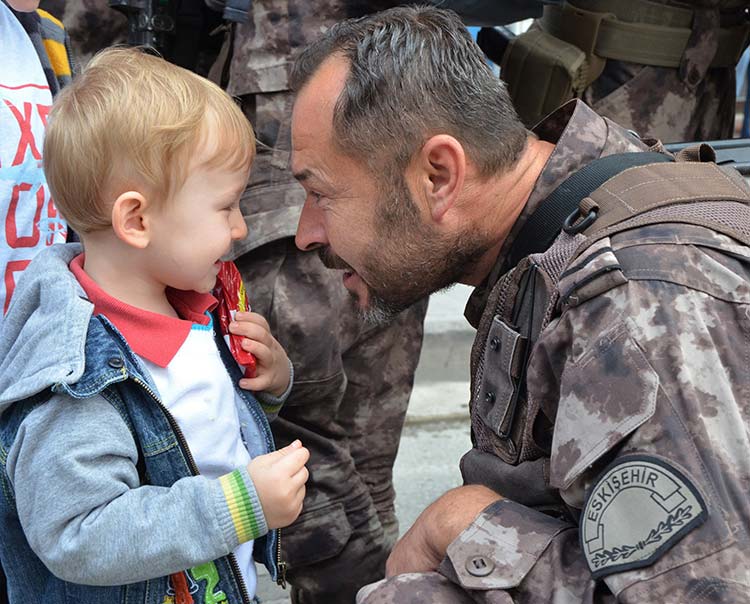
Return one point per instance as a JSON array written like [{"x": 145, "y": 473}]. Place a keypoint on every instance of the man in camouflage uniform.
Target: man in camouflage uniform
[
  {"x": 687, "y": 97},
  {"x": 611, "y": 458},
  {"x": 352, "y": 380}
]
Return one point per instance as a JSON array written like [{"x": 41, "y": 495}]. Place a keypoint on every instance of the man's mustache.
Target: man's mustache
[{"x": 331, "y": 260}]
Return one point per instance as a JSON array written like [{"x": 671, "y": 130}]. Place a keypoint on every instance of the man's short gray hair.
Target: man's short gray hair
[{"x": 415, "y": 72}]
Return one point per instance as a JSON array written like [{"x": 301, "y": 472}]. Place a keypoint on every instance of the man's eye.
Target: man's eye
[{"x": 317, "y": 197}]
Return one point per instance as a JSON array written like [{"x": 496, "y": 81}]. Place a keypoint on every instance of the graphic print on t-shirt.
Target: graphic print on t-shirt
[{"x": 29, "y": 220}]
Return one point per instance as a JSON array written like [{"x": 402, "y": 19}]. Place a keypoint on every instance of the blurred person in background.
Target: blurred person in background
[
  {"x": 661, "y": 68},
  {"x": 36, "y": 65}
]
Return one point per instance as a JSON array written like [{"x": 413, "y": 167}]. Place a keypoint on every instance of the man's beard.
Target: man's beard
[
  {"x": 408, "y": 263},
  {"x": 416, "y": 266}
]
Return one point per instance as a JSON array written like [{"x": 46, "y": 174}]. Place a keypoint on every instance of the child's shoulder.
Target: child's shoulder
[{"x": 45, "y": 329}]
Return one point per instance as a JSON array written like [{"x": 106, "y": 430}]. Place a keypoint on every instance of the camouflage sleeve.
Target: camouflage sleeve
[
  {"x": 513, "y": 546},
  {"x": 648, "y": 386}
]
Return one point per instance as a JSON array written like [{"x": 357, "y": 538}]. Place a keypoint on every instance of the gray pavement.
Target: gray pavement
[
  {"x": 447, "y": 338},
  {"x": 436, "y": 433}
]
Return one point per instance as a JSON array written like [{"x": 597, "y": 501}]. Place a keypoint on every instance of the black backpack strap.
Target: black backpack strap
[{"x": 561, "y": 207}]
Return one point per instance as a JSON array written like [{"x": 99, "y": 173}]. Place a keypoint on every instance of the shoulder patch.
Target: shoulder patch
[{"x": 637, "y": 510}]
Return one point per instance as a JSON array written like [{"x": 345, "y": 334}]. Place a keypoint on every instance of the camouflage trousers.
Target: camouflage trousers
[
  {"x": 656, "y": 102},
  {"x": 352, "y": 386}
]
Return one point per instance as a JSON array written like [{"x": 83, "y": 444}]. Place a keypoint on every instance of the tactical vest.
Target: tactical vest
[
  {"x": 567, "y": 49},
  {"x": 511, "y": 435}
]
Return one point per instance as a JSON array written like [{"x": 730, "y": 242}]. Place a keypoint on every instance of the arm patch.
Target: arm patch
[{"x": 637, "y": 510}]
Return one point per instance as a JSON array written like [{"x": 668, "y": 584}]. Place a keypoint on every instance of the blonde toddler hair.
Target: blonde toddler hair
[{"x": 133, "y": 121}]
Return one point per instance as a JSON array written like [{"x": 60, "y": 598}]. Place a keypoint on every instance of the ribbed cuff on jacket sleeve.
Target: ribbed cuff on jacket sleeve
[
  {"x": 242, "y": 515},
  {"x": 273, "y": 404}
]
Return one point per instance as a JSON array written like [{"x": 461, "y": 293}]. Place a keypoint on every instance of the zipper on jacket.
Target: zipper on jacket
[
  {"x": 194, "y": 469},
  {"x": 238, "y": 576},
  {"x": 280, "y": 564},
  {"x": 262, "y": 419}
]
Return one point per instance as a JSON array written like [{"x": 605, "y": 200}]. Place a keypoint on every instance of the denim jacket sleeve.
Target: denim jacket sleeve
[{"x": 90, "y": 520}]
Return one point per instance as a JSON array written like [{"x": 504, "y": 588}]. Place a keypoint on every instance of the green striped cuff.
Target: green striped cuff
[
  {"x": 244, "y": 506},
  {"x": 272, "y": 404}
]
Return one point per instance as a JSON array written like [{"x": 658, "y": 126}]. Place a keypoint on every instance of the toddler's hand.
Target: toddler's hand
[
  {"x": 272, "y": 366},
  {"x": 279, "y": 479}
]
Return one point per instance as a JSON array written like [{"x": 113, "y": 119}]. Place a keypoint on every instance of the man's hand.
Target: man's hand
[
  {"x": 272, "y": 368},
  {"x": 423, "y": 546},
  {"x": 279, "y": 479}
]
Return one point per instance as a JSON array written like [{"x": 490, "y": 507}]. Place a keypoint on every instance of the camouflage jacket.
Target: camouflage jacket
[
  {"x": 265, "y": 47},
  {"x": 611, "y": 411}
]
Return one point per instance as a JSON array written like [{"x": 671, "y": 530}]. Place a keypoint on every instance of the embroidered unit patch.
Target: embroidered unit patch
[{"x": 639, "y": 508}]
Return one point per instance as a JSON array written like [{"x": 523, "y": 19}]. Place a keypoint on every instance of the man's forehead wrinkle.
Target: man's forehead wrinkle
[
  {"x": 314, "y": 175},
  {"x": 313, "y": 160},
  {"x": 316, "y": 100}
]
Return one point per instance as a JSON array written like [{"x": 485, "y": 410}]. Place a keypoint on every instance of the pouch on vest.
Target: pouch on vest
[
  {"x": 498, "y": 388},
  {"x": 542, "y": 72}
]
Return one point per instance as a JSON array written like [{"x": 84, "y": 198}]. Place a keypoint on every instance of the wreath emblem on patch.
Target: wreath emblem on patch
[{"x": 638, "y": 509}]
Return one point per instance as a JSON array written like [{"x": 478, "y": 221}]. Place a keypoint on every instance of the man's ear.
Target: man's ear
[
  {"x": 441, "y": 165},
  {"x": 130, "y": 221}
]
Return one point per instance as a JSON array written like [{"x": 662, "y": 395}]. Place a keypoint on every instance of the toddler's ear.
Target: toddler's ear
[{"x": 129, "y": 220}]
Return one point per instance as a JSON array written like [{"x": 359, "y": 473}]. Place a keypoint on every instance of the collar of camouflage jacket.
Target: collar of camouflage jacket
[{"x": 580, "y": 136}]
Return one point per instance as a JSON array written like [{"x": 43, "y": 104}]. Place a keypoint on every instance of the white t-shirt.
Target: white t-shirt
[
  {"x": 28, "y": 218},
  {"x": 198, "y": 392},
  {"x": 192, "y": 382}
]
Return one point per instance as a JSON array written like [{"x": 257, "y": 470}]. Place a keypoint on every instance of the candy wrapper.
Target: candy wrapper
[{"x": 230, "y": 292}]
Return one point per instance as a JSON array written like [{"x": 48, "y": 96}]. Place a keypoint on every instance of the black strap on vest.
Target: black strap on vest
[{"x": 560, "y": 209}]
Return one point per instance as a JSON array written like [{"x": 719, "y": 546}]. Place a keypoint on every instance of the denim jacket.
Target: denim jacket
[{"x": 99, "y": 490}]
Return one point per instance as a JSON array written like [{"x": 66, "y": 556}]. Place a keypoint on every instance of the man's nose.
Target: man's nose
[{"x": 311, "y": 232}]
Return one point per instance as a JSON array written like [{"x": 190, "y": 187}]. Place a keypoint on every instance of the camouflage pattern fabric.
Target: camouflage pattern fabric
[
  {"x": 641, "y": 364},
  {"x": 265, "y": 47},
  {"x": 352, "y": 385},
  {"x": 655, "y": 102},
  {"x": 273, "y": 200},
  {"x": 691, "y": 103}
]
